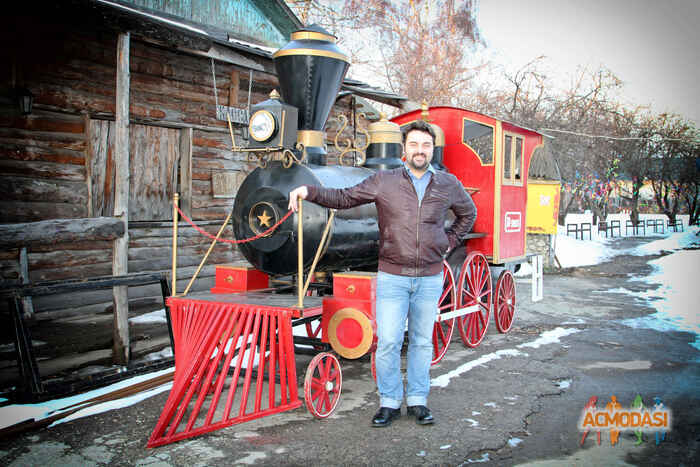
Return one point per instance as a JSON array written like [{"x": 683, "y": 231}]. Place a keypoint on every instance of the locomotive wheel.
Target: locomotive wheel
[
  {"x": 475, "y": 288},
  {"x": 322, "y": 385},
  {"x": 504, "y": 302},
  {"x": 350, "y": 333},
  {"x": 442, "y": 331}
]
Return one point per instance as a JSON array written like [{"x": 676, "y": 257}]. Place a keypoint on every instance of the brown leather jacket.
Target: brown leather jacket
[{"x": 413, "y": 239}]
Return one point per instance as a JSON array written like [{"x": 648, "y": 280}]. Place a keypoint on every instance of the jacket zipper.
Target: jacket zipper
[{"x": 420, "y": 209}]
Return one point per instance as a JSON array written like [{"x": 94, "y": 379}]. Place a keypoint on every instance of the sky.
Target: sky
[{"x": 651, "y": 45}]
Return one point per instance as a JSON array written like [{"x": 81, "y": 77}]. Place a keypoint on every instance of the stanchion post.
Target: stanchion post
[
  {"x": 176, "y": 201},
  {"x": 300, "y": 261}
]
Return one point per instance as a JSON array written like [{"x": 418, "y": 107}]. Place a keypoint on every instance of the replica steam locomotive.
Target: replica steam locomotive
[{"x": 251, "y": 324}]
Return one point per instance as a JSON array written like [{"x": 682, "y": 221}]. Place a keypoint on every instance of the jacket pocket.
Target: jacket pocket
[{"x": 434, "y": 207}]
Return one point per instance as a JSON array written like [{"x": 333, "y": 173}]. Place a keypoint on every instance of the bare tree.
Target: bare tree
[
  {"x": 675, "y": 152},
  {"x": 418, "y": 47}
]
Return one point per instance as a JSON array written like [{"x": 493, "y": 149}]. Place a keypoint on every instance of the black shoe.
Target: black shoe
[
  {"x": 422, "y": 414},
  {"x": 385, "y": 415}
]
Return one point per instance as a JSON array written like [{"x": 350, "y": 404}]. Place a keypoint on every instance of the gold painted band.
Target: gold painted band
[
  {"x": 310, "y": 138},
  {"x": 384, "y": 137},
  {"x": 312, "y": 36},
  {"x": 317, "y": 53}
]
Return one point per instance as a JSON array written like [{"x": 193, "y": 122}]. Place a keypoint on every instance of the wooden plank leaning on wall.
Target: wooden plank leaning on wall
[{"x": 120, "y": 255}]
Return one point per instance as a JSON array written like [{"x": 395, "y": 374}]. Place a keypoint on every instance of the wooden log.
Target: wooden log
[
  {"x": 51, "y": 123},
  {"x": 10, "y": 149},
  {"x": 32, "y": 190},
  {"x": 121, "y": 202},
  {"x": 43, "y": 139},
  {"x": 61, "y": 230},
  {"x": 20, "y": 211},
  {"x": 41, "y": 169}
]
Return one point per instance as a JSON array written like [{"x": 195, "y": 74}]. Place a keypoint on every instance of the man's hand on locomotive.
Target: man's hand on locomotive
[{"x": 298, "y": 192}]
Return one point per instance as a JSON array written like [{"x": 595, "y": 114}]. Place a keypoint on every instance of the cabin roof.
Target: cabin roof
[{"x": 180, "y": 32}]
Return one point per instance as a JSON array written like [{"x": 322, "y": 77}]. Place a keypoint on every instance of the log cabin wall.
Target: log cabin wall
[{"x": 57, "y": 161}]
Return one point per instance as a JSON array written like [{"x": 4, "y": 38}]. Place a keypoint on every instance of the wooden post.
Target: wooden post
[
  {"x": 186, "y": 171},
  {"x": 120, "y": 349},
  {"x": 27, "y": 305}
]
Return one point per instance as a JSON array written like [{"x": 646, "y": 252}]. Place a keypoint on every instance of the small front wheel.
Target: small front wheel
[{"x": 322, "y": 385}]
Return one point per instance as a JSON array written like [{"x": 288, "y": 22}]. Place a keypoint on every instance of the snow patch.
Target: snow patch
[
  {"x": 443, "y": 380},
  {"x": 157, "y": 316},
  {"x": 484, "y": 458},
  {"x": 15, "y": 413},
  {"x": 549, "y": 337},
  {"x": 514, "y": 442},
  {"x": 251, "y": 458}
]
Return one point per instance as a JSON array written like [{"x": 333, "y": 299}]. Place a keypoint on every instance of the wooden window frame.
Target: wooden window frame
[{"x": 511, "y": 180}]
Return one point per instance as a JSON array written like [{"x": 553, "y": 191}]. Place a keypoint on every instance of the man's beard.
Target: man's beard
[{"x": 412, "y": 163}]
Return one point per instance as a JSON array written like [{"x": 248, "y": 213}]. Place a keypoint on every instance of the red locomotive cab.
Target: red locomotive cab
[{"x": 491, "y": 158}]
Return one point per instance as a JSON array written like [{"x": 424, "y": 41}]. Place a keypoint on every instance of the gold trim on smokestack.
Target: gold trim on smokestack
[
  {"x": 315, "y": 52},
  {"x": 310, "y": 138},
  {"x": 312, "y": 36}
]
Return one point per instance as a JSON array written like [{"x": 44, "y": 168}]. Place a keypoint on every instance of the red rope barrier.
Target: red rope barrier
[{"x": 245, "y": 240}]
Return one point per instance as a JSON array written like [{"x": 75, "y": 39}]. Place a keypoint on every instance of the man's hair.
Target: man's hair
[{"x": 417, "y": 125}]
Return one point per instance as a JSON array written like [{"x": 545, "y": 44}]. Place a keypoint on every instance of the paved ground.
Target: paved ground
[{"x": 508, "y": 402}]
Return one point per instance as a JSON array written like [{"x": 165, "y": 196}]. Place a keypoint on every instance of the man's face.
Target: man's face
[{"x": 418, "y": 149}]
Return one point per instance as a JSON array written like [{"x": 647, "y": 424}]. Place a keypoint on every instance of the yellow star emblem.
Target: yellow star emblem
[{"x": 264, "y": 219}]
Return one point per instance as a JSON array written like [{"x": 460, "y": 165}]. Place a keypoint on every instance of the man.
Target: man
[{"x": 412, "y": 203}]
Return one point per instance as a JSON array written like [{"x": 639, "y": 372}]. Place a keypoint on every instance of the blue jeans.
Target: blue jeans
[{"x": 400, "y": 298}]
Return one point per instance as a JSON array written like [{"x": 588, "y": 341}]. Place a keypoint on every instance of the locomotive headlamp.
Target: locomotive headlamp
[
  {"x": 262, "y": 125},
  {"x": 273, "y": 124}
]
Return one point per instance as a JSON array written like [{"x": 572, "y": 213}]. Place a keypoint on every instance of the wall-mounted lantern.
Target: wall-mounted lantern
[{"x": 25, "y": 100}]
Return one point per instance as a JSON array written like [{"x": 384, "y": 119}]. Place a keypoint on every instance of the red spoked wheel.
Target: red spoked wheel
[
  {"x": 373, "y": 362},
  {"x": 322, "y": 385},
  {"x": 442, "y": 331},
  {"x": 504, "y": 303},
  {"x": 475, "y": 288}
]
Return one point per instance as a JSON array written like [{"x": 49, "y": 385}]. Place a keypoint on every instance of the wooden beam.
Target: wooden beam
[
  {"x": 185, "y": 171},
  {"x": 93, "y": 283},
  {"x": 233, "y": 88},
  {"x": 120, "y": 255},
  {"x": 60, "y": 230}
]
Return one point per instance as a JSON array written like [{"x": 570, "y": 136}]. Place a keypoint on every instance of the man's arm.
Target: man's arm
[
  {"x": 465, "y": 212},
  {"x": 337, "y": 198}
]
